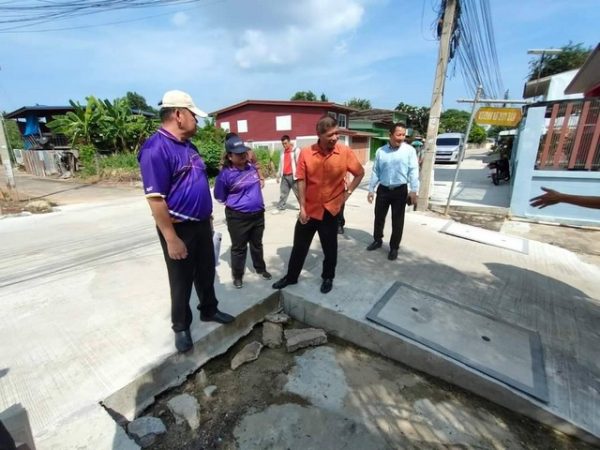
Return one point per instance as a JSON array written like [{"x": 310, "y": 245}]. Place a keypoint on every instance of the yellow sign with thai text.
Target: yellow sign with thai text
[{"x": 506, "y": 117}]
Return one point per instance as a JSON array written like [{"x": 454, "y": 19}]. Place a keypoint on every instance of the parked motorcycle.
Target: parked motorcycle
[{"x": 499, "y": 170}]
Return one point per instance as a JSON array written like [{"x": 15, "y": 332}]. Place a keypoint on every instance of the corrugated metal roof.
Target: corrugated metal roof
[{"x": 22, "y": 112}]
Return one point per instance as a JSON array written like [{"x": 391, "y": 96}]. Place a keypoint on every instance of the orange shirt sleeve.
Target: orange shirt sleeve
[{"x": 301, "y": 165}]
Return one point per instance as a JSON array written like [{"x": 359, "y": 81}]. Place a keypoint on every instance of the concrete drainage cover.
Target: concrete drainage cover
[
  {"x": 486, "y": 237},
  {"x": 505, "y": 352}
]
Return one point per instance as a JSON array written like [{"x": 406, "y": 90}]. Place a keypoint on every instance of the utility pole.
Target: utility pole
[
  {"x": 543, "y": 52},
  {"x": 436, "y": 105},
  {"x": 4, "y": 155},
  {"x": 464, "y": 148}
]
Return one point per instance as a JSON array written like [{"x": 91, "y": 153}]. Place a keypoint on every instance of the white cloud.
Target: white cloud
[
  {"x": 180, "y": 19},
  {"x": 306, "y": 31}
]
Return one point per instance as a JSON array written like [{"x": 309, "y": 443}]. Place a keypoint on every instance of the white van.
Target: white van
[{"x": 448, "y": 147}]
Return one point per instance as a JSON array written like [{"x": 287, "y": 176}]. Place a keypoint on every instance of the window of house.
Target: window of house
[
  {"x": 332, "y": 114},
  {"x": 283, "y": 123},
  {"x": 225, "y": 126},
  {"x": 341, "y": 120},
  {"x": 242, "y": 126}
]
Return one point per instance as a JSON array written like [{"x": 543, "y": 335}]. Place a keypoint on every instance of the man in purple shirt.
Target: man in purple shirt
[{"x": 176, "y": 187}]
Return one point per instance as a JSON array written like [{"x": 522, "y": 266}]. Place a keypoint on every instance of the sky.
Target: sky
[{"x": 226, "y": 51}]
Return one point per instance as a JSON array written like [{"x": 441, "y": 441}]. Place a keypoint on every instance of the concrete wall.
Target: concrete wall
[
  {"x": 527, "y": 182},
  {"x": 558, "y": 84}
]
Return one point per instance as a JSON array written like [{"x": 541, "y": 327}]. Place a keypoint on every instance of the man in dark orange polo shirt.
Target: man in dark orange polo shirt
[{"x": 320, "y": 175}]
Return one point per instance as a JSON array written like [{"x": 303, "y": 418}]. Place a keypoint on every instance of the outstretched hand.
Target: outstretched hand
[{"x": 551, "y": 197}]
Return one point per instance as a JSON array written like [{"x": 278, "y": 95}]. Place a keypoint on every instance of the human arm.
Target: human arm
[
  {"x": 301, "y": 183},
  {"x": 552, "y": 197},
  {"x": 374, "y": 178},
  {"x": 254, "y": 161},
  {"x": 156, "y": 170},
  {"x": 357, "y": 170},
  {"x": 280, "y": 166},
  {"x": 160, "y": 211},
  {"x": 303, "y": 217},
  {"x": 221, "y": 189},
  {"x": 413, "y": 176}
]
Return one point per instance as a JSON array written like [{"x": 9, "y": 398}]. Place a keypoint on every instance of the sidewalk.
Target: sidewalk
[{"x": 85, "y": 309}]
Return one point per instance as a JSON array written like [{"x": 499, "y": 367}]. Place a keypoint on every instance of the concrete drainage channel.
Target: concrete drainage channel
[{"x": 284, "y": 384}]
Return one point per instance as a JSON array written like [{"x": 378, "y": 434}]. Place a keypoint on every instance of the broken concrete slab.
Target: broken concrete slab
[
  {"x": 285, "y": 426},
  {"x": 185, "y": 408},
  {"x": 304, "y": 337},
  {"x": 272, "y": 334},
  {"x": 146, "y": 429},
  {"x": 249, "y": 353},
  {"x": 278, "y": 317}
]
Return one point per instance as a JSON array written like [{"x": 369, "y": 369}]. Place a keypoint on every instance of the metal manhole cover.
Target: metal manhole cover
[{"x": 506, "y": 352}]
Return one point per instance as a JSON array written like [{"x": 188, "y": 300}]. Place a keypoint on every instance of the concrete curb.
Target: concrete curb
[{"x": 126, "y": 403}]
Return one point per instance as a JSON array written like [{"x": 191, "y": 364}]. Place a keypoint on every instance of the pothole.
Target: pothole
[{"x": 336, "y": 395}]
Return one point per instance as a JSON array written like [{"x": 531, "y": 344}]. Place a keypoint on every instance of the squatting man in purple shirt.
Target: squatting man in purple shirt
[{"x": 177, "y": 190}]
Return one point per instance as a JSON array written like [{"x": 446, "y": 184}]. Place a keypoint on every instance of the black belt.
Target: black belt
[{"x": 387, "y": 188}]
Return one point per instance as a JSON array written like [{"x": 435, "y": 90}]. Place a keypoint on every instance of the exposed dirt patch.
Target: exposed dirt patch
[
  {"x": 408, "y": 409},
  {"x": 583, "y": 241},
  {"x": 18, "y": 203}
]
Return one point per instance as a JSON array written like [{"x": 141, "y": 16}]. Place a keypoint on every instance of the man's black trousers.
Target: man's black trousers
[
  {"x": 396, "y": 198},
  {"x": 198, "y": 269},
  {"x": 303, "y": 236},
  {"x": 244, "y": 229}
]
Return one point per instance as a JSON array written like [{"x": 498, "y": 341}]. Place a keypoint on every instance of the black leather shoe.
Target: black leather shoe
[
  {"x": 393, "y": 254},
  {"x": 374, "y": 245},
  {"x": 266, "y": 275},
  {"x": 326, "y": 285},
  {"x": 283, "y": 283},
  {"x": 219, "y": 316},
  {"x": 183, "y": 341},
  {"x": 238, "y": 283}
]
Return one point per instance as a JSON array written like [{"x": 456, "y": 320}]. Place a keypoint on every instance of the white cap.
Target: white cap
[{"x": 180, "y": 99}]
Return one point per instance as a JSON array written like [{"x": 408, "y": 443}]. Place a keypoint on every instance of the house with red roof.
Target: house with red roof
[{"x": 261, "y": 123}]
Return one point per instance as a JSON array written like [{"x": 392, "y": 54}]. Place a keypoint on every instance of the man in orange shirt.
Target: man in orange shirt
[{"x": 320, "y": 175}]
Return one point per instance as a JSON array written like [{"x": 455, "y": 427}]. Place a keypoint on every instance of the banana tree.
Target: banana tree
[{"x": 82, "y": 125}]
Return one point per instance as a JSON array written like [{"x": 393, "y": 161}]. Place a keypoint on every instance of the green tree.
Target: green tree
[
  {"x": 359, "y": 103},
  {"x": 454, "y": 121},
  {"x": 477, "y": 134},
  {"x": 324, "y": 97},
  {"x": 418, "y": 116},
  {"x": 210, "y": 141},
  {"x": 457, "y": 121},
  {"x": 308, "y": 96},
  {"x": 13, "y": 135},
  {"x": 571, "y": 57},
  {"x": 82, "y": 125},
  {"x": 138, "y": 102}
]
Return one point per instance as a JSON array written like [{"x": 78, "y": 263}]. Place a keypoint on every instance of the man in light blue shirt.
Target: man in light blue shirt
[{"x": 395, "y": 167}]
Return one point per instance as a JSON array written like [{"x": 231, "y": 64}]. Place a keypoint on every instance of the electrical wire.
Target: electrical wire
[
  {"x": 24, "y": 16},
  {"x": 472, "y": 46}
]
